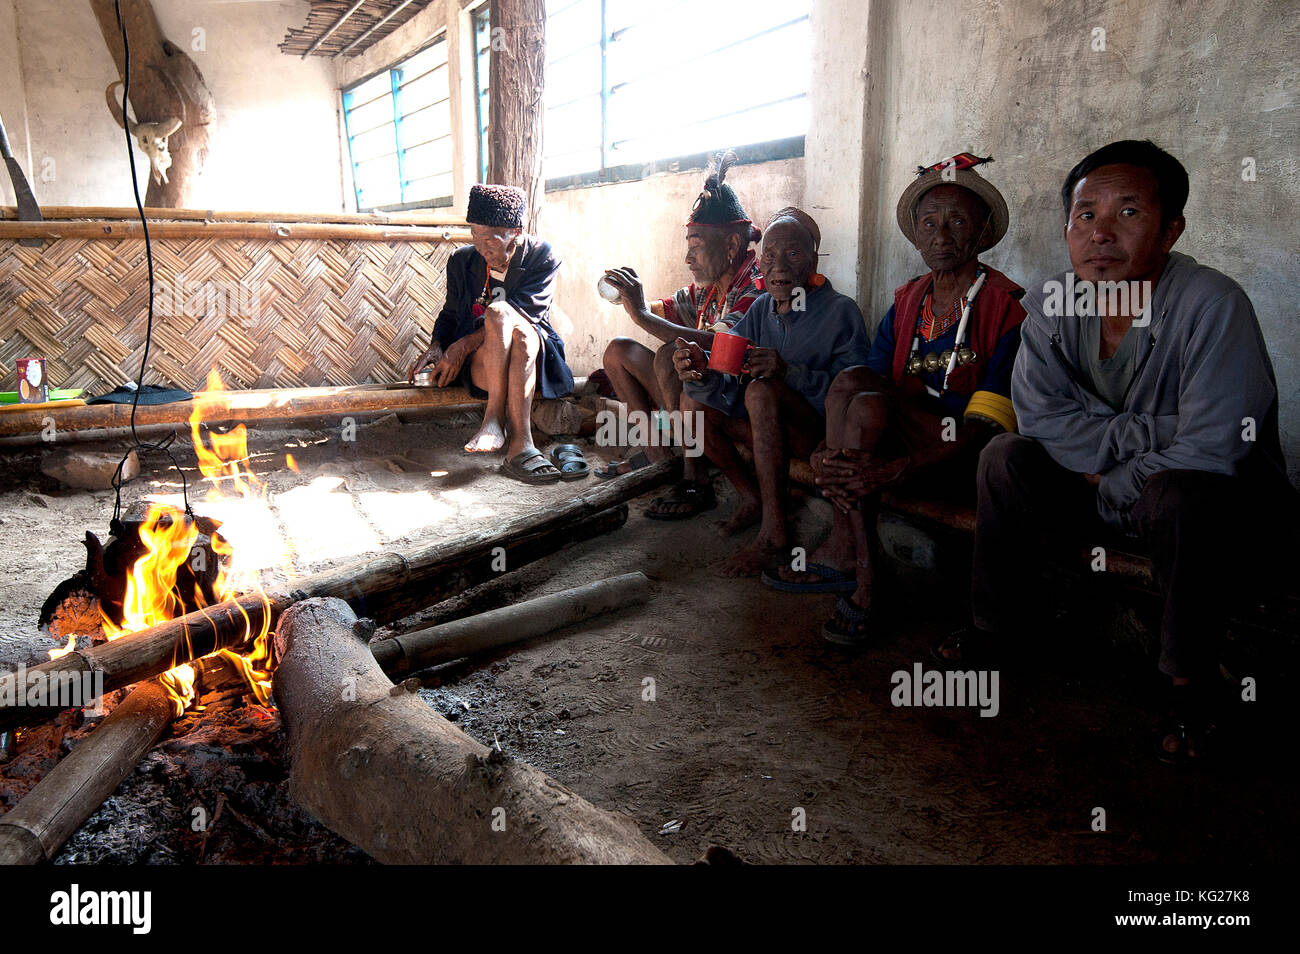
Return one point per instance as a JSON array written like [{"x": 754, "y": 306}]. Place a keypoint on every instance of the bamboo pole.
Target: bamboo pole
[
  {"x": 418, "y": 650},
  {"x": 37, "y": 827},
  {"x": 264, "y": 231},
  {"x": 230, "y": 406},
  {"x": 129, "y": 213},
  {"x": 385, "y": 587}
]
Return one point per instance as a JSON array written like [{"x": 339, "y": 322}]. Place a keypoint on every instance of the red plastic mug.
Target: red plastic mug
[{"x": 728, "y": 354}]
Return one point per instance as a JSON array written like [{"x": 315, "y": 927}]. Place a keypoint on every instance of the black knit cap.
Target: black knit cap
[
  {"x": 499, "y": 206},
  {"x": 718, "y": 204}
]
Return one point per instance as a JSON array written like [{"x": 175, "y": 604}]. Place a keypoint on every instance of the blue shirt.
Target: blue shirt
[{"x": 816, "y": 344}]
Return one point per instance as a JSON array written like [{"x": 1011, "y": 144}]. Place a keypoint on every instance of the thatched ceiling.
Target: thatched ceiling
[{"x": 370, "y": 20}]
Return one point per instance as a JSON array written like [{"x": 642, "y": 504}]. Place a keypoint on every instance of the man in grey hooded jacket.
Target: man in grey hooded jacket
[{"x": 1146, "y": 405}]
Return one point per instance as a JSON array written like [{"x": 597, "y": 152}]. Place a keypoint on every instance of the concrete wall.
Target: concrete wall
[
  {"x": 276, "y": 142},
  {"x": 1213, "y": 82},
  {"x": 641, "y": 224},
  {"x": 894, "y": 84}
]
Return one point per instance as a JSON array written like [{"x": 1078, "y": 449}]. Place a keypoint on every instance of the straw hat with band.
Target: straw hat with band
[
  {"x": 957, "y": 171},
  {"x": 987, "y": 406}
]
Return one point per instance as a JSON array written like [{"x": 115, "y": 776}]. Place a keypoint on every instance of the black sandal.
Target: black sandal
[
  {"x": 530, "y": 467},
  {"x": 612, "y": 469},
  {"x": 850, "y": 626},
  {"x": 570, "y": 461},
  {"x": 697, "y": 497}
]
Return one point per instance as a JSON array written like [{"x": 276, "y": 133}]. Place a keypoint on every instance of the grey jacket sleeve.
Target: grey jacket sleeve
[
  {"x": 1226, "y": 381},
  {"x": 1078, "y": 429}
]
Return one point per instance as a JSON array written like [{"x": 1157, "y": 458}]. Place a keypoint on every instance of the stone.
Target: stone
[
  {"x": 89, "y": 469},
  {"x": 557, "y": 417}
]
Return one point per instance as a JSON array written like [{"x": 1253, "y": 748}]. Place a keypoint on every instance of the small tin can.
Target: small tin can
[
  {"x": 606, "y": 290},
  {"x": 424, "y": 379},
  {"x": 32, "y": 386}
]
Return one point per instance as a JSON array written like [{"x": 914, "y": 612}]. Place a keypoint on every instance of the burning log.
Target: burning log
[
  {"x": 430, "y": 794},
  {"x": 411, "y": 652},
  {"x": 51, "y": 812},
  {"x": 384, "y": 588}
]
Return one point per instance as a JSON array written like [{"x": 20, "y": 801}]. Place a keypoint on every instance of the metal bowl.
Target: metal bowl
[{"x": 424, "y": 379}]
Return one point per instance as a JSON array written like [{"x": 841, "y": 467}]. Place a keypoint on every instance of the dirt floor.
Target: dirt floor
[{"x": 755, "y": 722}]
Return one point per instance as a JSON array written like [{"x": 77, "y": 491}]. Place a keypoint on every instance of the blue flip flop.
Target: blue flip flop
[{"x": 832, "y": 581}]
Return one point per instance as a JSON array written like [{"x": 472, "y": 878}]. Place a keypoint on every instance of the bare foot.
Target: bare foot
[
  {"x": 747, "y": 513},
  {"x": 750, "y": 560},
  {"x": 491, "y": 437}
]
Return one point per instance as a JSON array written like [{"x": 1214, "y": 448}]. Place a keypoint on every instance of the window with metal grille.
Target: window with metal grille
[
  {"x": 482, "y": 54},
  {"x": 632, "y": 86},
  {"x": 398, "y": 126}
]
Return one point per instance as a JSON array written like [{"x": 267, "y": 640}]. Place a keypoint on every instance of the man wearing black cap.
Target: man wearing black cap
[
  {"x": 493, "y": 335},
  {"x": 724, "y": 269}
]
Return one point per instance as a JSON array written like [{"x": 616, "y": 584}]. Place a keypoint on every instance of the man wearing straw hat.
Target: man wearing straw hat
[{"x": 935, "y": 388}]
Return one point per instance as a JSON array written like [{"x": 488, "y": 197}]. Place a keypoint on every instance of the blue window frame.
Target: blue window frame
[
  {"x": 398, "y": 125},
  {"x": 632, "y": 88}
]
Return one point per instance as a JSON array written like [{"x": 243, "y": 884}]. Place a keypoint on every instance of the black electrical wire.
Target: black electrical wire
[{"x": 115, "y": 526}]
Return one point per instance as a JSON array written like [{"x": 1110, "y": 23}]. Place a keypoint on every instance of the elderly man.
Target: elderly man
[
  {"x": 718, "y": 237},
  {"x": 935, "y": 389},
  {"x": 494, "y": 336},
  {"x": 803, "y": 333},
  {"x": 1152, "y": 414}
]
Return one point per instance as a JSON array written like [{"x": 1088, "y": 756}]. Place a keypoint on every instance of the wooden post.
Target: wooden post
[
  {"x": 515, "y": 107},
  {"x": 165, "y": 83},
  {"x": 374, "y": 763}
]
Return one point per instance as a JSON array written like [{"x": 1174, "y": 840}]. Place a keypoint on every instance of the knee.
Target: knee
[
  {"x": 864, "y": 408},
  {"x": 1003, "y": 457},
  {"x": 850, "y": 381},
  {"x": 763, "y": 397},
  {"x": 618, "y": 351},
  {"x": 1177, "y": 495},
  {"x": 664, "y": 360}
]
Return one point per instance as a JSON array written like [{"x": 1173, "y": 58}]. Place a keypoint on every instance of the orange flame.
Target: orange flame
[
  {"x": 169, "y": 537},
  {"x": 60, "y": 653}
]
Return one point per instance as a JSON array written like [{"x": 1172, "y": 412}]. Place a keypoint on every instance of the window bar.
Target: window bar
[
  {"x": 396, "y": 79},
  {"x": 604, "y": 91}
]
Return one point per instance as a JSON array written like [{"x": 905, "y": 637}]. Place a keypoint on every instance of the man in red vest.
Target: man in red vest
[{"x": 935, "y": 389}]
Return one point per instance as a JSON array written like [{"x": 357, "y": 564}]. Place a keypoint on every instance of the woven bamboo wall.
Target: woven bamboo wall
[{"x": 309, "y": 312}]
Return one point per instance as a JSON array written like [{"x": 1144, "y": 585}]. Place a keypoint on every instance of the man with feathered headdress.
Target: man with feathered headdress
[{"x": 718, "y": 237}]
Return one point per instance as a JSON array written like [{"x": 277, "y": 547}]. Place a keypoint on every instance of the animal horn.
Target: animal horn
[{"x": 115, "y": 104}]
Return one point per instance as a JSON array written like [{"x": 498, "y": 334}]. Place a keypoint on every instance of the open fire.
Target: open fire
[{"x": 172, "y": 576}]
